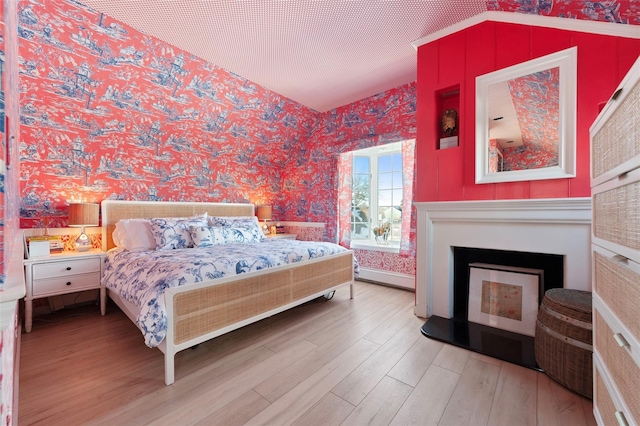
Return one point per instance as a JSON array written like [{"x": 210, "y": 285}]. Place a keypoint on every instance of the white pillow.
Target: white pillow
[{"x": 134, "y": 235}]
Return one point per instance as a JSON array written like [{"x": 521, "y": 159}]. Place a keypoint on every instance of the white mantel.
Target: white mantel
[{"x": 555, "y": 226}]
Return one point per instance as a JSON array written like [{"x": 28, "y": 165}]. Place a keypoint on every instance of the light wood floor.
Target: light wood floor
[{"x": 349, "y": 362}]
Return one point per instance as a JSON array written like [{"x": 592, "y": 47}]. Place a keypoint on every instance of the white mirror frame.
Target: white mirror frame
[{"x": 566, "y": 60}]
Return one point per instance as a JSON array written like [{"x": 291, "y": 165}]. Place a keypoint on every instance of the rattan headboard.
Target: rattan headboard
[{"x": 114, "y": 210}]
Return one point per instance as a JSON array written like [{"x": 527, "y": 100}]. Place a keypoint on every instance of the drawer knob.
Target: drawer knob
[
  {"x": 68, "y": 282},
  {"x": 68, "y": 268},
  {"x": 622, "y": 421},
  {"x": 619, "y": 258},
  {"x": 620, "y": 339}
]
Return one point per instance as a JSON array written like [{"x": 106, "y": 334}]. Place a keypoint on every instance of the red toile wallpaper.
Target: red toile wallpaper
[
  {"x": 107, "y": 112},
  {"x": 388, "y": 117},
  {"x": 618, "y": 11},
  {"x": 536, "y": 98},
  {"x": 3, "y": 139}
]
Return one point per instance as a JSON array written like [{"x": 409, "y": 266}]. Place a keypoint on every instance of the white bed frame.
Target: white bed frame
[{"x": 202, "y": 311}]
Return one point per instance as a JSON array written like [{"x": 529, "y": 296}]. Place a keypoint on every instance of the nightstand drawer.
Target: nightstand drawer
[
  {"x": 68, "y": 284},
  {"x": 69, "y": 267}
]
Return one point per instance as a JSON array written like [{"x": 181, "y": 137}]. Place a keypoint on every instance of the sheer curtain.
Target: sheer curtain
[
  {"x": 407, "y": 229},
  {"x": 345, "y": 176},
  {"x": 345, "y": 166}
]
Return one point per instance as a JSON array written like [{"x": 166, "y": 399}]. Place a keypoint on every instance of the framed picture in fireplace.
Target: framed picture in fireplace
[{"x": 504, "y": 297}]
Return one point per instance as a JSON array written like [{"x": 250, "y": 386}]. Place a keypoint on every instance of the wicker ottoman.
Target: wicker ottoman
[{"x": 563, "y": 342}]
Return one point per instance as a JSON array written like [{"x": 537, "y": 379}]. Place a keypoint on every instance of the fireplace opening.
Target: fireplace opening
[
  {"x": 491, "y": 338},
  {"x": 552, "y": 266}
]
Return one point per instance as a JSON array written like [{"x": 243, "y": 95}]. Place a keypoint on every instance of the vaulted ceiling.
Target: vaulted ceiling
[{"x": 322, "y": 53}]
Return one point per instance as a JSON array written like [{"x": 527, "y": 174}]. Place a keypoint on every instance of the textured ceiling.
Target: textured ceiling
[{"x": 320, "y": 53}]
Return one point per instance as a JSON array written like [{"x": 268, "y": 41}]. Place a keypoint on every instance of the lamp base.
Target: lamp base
[{"x": 83, "y": 243}]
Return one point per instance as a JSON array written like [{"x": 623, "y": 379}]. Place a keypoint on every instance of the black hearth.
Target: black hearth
[{"x": 501, "y": 344}]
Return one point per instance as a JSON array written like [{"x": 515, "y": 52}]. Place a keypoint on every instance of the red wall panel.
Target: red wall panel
[
  {"x": 549, "y": 188},
  {"x": 513, "y": 44},
  {"x": 553, "y": 40},
  {"x": 602, "y": 62},
  {"x": 480, "y": 58},
  {"x": 451, "y": 73},
  {"x": 426, "y": 110},
  {"x": 627, "y": 55},
  {"x": 511, "y": 190},
  {"x": 451, "y": 68},
  {"x": 449, "y": 162},
  {"x": 598, "y": 76}
]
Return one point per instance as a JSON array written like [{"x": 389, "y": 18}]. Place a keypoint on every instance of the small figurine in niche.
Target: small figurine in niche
[{"x": 449, "y": 122}]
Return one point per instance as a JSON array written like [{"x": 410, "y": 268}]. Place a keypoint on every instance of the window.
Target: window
[{"x": 376, "y": 200}]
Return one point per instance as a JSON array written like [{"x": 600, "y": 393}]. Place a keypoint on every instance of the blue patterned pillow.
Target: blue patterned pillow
[
  {"x": 209, "y": 236},
  {"x": 242, "y": 234},
  {"x": 173, "y": 233},
  {"x": 247, "y": 223},
  {"x": 206, "y": 236}
]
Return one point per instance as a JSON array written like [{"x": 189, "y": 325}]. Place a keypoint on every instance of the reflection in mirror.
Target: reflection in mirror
[{"x": 525, "y": 120}]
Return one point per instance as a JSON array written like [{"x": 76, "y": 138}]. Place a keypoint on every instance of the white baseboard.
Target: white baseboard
[{"x": 391, "y": 278}]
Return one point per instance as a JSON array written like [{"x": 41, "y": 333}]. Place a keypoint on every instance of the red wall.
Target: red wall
[{"x": 449, "y": 174}]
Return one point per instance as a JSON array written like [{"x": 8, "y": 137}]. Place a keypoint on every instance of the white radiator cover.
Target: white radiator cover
[{"x": 555, "y": 226}]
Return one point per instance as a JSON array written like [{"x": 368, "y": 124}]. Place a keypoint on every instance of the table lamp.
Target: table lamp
[
  {"x": 81, "y": 215},
  {"x": 264, "y": 213}
]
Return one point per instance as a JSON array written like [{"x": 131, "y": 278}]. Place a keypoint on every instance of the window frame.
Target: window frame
[{"x": 373, "y": 154}]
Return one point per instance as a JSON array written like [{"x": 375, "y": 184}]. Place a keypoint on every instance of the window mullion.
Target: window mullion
[{"x": 374, "y": 191}]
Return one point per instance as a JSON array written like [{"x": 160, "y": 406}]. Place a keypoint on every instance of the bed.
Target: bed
[{"x": 200, "y": 311}]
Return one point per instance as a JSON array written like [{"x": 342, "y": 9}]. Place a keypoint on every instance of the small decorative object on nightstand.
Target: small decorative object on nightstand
[
  {"x": 67, "y": 272},
  {"x": 43, "y": 245},
  {"x": 83, "y": 214}
]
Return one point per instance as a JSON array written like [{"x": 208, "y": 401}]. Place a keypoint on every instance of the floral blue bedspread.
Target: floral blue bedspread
[{"x": 142, "y": 277}]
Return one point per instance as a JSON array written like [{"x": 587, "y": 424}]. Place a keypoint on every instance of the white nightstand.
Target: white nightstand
[
  {"x": 282, "y": 236},
  {"x": 66, "y": 272}
]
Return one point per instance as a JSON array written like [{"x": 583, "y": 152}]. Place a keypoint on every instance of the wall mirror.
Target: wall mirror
[{"x": 525, "y": 120}]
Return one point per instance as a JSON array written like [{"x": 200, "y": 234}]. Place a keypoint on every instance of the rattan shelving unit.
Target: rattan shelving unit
[{"x": 615, "y": 190}]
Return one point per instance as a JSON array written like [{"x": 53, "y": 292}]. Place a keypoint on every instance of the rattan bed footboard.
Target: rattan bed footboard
[
  {"x": 202, "y": 311},
  {"x": 209, "y": 308}
]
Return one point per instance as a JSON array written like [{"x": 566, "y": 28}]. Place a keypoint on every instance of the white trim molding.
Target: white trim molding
[
  {"x": 391, "y": 278},
  {"x": 300, "y": 224},
  {"x": 372, "y": 246},
  {"x": 557, "y": 226},
  {"x": 581, "y": 25}
]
